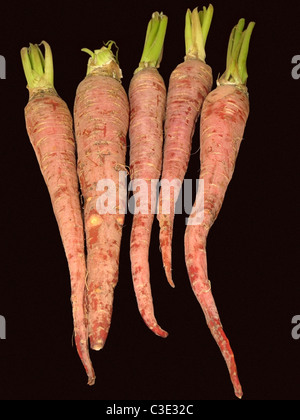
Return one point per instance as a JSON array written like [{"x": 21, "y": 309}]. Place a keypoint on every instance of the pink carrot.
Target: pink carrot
[
  {"x": 189, "y": 84},
  {"x": 147, "y": 98},
  {"x": 50, "y": 129},
  {"x": 101, "y": 117},
  {"x": 223, "y": 120}
]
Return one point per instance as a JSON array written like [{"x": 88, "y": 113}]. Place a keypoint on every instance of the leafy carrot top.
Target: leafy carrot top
[
  {"x": 197, "y": 25},
  {"x": 237, "y": 52},
  {"x": 38, "y": 69},
  {"x": 154, "y": 41},
  {"x": 104, "y": 61}
]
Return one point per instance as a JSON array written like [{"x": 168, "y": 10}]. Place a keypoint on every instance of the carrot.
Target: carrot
[
  {"x": 147, "y": 98},
  {"x": 189, "y": 84},
  {"x": 222, "y": 124},
  {"x": 50, "y": 129},
  {"x": 101, "y": 118}
]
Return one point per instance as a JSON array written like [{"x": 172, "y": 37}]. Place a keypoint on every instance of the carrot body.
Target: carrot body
[
  {"x": 101, "y": 117},
  {"x": 189, "y": 84},
  {"x": 50, "y": 128},
  {"x": 223, "y": 119},
  {"x": 147, "y": 98}
]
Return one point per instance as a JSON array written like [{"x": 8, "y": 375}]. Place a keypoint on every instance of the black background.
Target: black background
[{"x": 252, "y": 248}]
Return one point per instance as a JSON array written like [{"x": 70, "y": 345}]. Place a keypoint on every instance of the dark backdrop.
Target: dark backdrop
[{"x": 252, "y": 247}]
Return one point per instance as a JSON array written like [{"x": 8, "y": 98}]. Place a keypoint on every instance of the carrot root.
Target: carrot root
[
  {"x": 223, "y": 119},
  {"x": 147, "y": 98},
  {"x": 189, "y": 84},
  {"x": 101, "y": 118},
  {"x": 165, "y": 240},
  {"x": 50, "y": 129},
  {"x": 213, "y": 321}
]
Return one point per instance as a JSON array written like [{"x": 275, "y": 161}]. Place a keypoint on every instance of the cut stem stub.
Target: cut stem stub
[
  {"x": 104, "y": 61},
  {"x": 237, "y": 52},
  {"x": 154, "y": 41},
  {"x": 38, "y": 69},
  {"x": 197, "y": 25}
]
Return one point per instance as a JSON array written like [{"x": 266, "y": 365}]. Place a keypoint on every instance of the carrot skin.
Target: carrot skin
[
  {"x": 147, "y": 98},
  {"x": 223, "y": 119},
  {"x": 50, "y": 128},
  {"x": 101, "y": 117},
  {"x": 189, "y": 84}
]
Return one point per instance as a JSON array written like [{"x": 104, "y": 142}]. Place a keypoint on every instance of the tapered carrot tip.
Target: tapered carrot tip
[
  {"x": 236, "y": 384},
  {"x": 237, "y": 387},
  {"x": 239, "y": 392},
  {"x": 159, "y": 331},
  {"x": 165, "y": 239},
  {"x": 91, "y": 380},
  {"x": 98, "y": 345},
  {"x": 98, "y": 334},
  {"x": 224, "y": 345},
  {"x": 152, "y": 324},
  {"x": 169, "y": 277}
]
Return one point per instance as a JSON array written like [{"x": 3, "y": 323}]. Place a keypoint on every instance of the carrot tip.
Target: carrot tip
[
  {"x": 168, "y": 272},
  {"x": 170, "y": 281},
  {"x": 91, "y": 380},
  {"x": 239, "y": 394},
  {"x": 98, "y": 345},
  {"x": 160, "y": 332}
]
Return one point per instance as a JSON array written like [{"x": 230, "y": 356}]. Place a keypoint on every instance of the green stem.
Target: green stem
[
  {"x": 37, "y": 68},
  {"x": 104, "y": 61},
  {"x": 154, "y": 41},
  {"x": 237, "y": 52},
  {"x": 242, "y": 60},
  {"x": 197, "y": 25}
]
